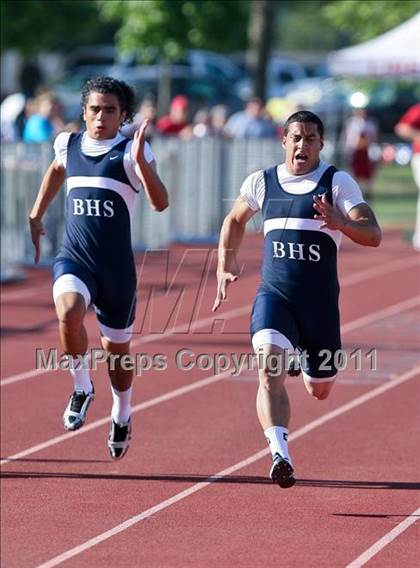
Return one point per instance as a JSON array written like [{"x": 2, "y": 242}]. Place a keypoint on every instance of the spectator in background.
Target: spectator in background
[
  {"x": 146, "y": 111},
  {"x": 176, "y": 122},
  {"x": 30, "y": 79},
  {"x": 28, "y": 110},
  {"x": 11, "y": 107},
  {"x": 56, "y": 117},
  {"x": 360, "y": 132},
  {"x": 408, "y": 127},
  {"x": 46, "y": 122},
  {"x": 218, "y": 118},
  {"x": 253, "y": 122},
  {"x": 202, "y": 124}
]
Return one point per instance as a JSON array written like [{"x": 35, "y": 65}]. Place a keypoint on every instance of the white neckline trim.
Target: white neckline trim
[{"x": 294, "y": 180}]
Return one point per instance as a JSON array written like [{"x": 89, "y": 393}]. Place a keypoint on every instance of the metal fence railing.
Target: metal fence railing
[{"x": 203, "y": 177}]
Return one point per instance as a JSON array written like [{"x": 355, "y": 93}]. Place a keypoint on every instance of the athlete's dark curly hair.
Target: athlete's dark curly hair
[{"x": 110, "y": 86}]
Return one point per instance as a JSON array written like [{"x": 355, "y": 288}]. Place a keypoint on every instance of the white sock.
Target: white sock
[
  {"x": 121, "y": 407},
  {"x": 80, "y": 375},
  {"x": 277, "y": 440}
]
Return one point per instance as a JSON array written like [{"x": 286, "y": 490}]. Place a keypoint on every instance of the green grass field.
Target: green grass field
[
  {"x": 395, "y": 197},
  {"x": 394, "y": 180}
]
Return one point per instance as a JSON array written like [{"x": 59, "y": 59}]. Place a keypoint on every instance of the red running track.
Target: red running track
[{"x": 193, "y": 488}]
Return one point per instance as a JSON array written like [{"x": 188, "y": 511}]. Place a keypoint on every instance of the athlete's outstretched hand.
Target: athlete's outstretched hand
[
  {"x": 139, "y": 141},
  {"x": 223, "y": 280},
  {"x": 331, "y": 217},
  {"x": 37, "y": 230}
]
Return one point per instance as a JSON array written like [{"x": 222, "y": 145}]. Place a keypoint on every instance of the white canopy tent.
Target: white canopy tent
[{"x": 395, "y": 53}]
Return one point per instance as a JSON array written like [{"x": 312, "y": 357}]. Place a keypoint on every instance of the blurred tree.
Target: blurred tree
[
  {"x": 53, "y": 25},
  {"x": 164, "y": 28},
  {"x": 361, "y": 20},
  {"x": 160, "y": 30},
  {"x": 260, "y": 33},
  {"x": 304, "y": 26}
]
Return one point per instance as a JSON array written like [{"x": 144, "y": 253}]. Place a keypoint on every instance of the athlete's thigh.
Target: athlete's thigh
[
  {"x": 320, "y": 343},
  {"x": 115, "y": 306},
  {"x": 72, "y": 283},
  {"x": 273, "y": 321}
]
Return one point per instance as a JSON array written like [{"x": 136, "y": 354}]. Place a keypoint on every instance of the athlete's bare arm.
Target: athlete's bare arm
[
  {"x": 50, "y": 185},
  {"x": 155, "y": 190},
  {"x": 231, "y": 235},
  {"x": 360, "y": 223}
]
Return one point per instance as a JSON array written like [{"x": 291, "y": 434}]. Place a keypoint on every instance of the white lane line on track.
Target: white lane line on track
[
  {"x": 350, "y": 326},
  {"x": 381, "y": 314},
  {"x": 24, "y": 294},
  {"x": 345, "y": 281},
  {"x": 141, "y": 406},
  {"x": 388, "y": 311},
  {"x": 240, "y": 465},
  {"x": 385, "y": 540},
  {"x": 380, "y": 270},
  {"x": 141, "y": 340}
]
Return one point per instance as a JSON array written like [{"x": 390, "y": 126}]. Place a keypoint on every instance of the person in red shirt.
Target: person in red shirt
[
  {"x": 408, "y": 127},
  {"x": 175, "y": 123}
]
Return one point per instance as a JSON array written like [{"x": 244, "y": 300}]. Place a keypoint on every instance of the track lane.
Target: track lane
[
  {"x": 182, "y": 375},
  {"x": 147, "y": 541},
  {"x": 150, "y": 425}
]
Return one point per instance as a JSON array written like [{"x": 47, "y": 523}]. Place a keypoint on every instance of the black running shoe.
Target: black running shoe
[
  {"x": 294, "y": 368},
  {"x": 281, "y": 472},
  {"x": 75, "y": 413},
  {"x": 294, "y": 371},
  {"x": 119, "y": 439}
]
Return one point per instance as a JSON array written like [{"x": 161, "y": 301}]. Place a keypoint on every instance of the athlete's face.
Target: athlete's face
[
  {"x": 102, "y": 115},
  {"x": 303, "y": 143}
]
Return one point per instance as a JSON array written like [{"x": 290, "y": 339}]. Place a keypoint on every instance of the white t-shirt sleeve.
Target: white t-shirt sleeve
[
  {"x": 346, "y": 192},
  {"x": 60, "y": 148},
  {"x": 130, "y": 165},
  {"x": 253, "y": 190}
]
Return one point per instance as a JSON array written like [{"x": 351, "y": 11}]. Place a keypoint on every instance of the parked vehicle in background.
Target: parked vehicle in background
[
  {"x": 327, "y": 98},
  {"x": 97, "y": 55},
  {"x": 281, "y": 72},
  {"x": 205, "y": 77},
  {"x": 202, "y": 90},
  {"x": 319, "y": 95},
  {"x": 211, "y": 64}
]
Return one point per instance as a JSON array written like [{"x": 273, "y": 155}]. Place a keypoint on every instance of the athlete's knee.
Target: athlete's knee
[
  {"x": 271, "y": 379},
  {"x": 116, "y": 349},
  {"x": 271, "y": 370},
  {"x": 270, "y": 382},
  {"x": 71, "y": 313},
  {"x": 320, "y": 391},
  {"x": 321, "y": 394}
]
